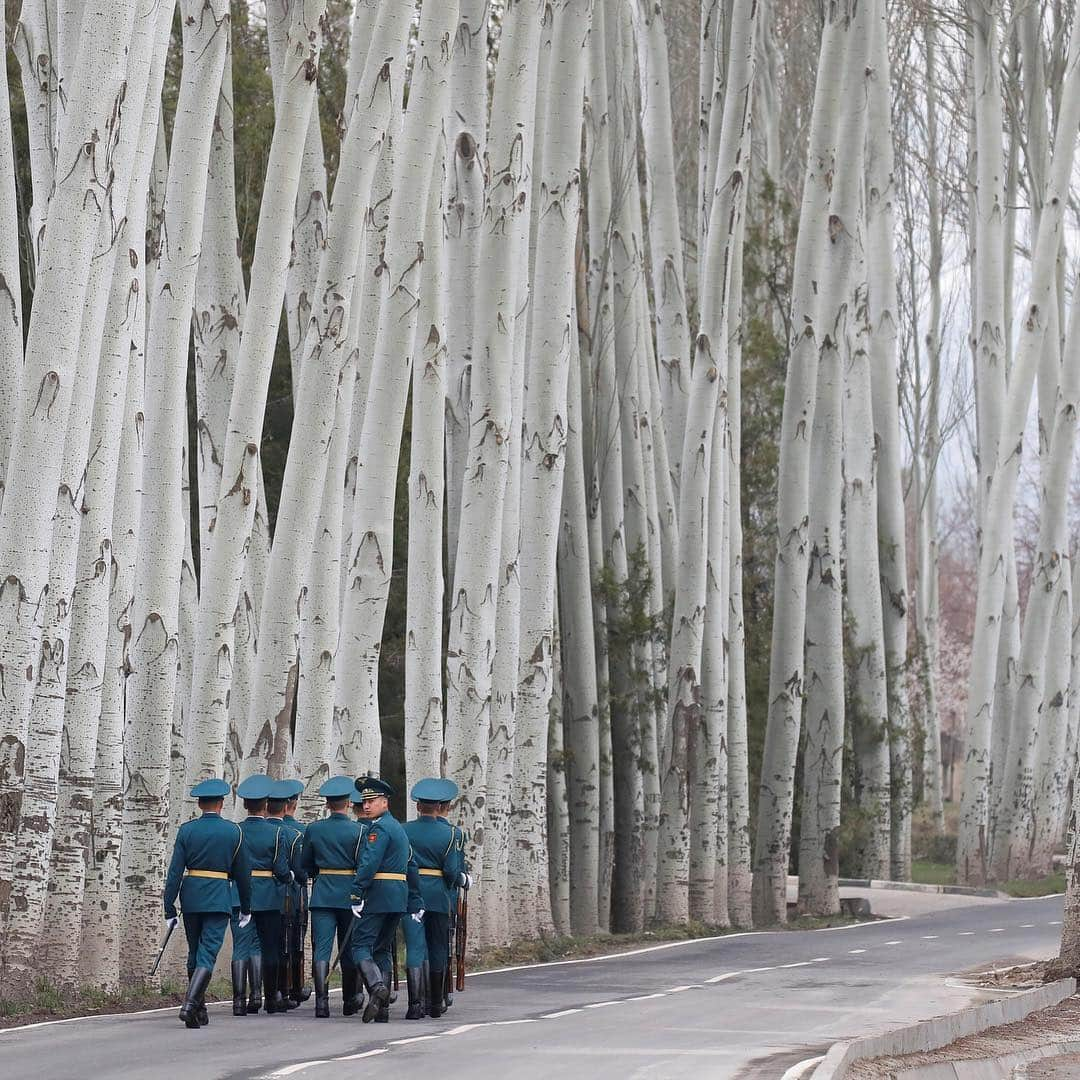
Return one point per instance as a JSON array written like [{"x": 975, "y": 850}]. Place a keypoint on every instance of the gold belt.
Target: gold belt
[
  {"x": 208, "y": 873},
  {"x": 262, "y": 873},
  {"x": 428, "y": 872},
  {"x": 390, "y": 877},
  {"x": 338, "y": 873}
]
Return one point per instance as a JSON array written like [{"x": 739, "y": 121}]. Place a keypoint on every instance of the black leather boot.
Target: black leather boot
[
  {"x": 273, "y": 1002},
  {"x": 189, "y": 1011},
  {"x": 438, "y": 989},
  {"x": 299, "y": 991},
  {"x": 377, "y": 989},
  {"x": 320, "y": 971},
  {"x": 239, "y": 1003},
  {"x": 254, "y": 971},
  {"x": 350, "y": 1003},
  {"x": 414, "y": 977}
]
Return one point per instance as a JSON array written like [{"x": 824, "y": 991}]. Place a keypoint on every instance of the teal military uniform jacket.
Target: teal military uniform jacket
[
  {"x": 267, "y": 853},
  {"x": 333, "y": 843},
  {"x": 384, "y": 849},
  {"x": 211, "y": 850},
  {"x": 437, "y": 858}
]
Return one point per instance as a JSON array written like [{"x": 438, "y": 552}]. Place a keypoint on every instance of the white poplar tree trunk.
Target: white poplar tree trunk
[
  {"x": 666, "y": 264},
  {"x": 152, "y": 654},
  {"x": 51, "y": 368},
  {"x": 424, "y": 603},
  {"x": 838, "y": 62},
  {"x": 230, "y": 529},
  {"x": 503, "y": 257},
  {"x": 268, "y": 737},
  {"x": 371, "y": 556},
  {"x": 466, "y": 185},
  {"x": 552, "y": 348},
  {"x": 891, "y": 520},
  {"x": 972, "y": 851}
]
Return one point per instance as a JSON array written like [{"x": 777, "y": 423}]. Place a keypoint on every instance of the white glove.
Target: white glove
[
  {"x": 357, "y": 909},
  {"x": 417, "y": 916},
  {"x": 171, "y": 923},
  {"x": 244, "y": 920},
  {"x": 466, "y": 881}
]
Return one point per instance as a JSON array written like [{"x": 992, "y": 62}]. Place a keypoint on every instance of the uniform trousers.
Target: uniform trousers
[
  {"x": 325, "y": 923},
  {"x": 245, "y": 942},
  {"x": 373, "y": 939},
  {"x": 427, "y": 942},
  {"x": 268, "y": 927},
  {"x": 205, "y": 932}
]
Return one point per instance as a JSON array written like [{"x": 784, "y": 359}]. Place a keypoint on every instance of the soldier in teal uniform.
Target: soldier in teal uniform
[
  {"x": 434, "y": 844},
  {"x": 464, "y": 877},
  {"x": 246, "y": 960},
  {"x": 292, "y": 838},
  {"x": 209, "y": 853},
  {"x": 298, "y": 991},
  {"x": 331, "y": 853},
  {"x": 267, "y": 856},
  {"x": 379, "y": 893}
]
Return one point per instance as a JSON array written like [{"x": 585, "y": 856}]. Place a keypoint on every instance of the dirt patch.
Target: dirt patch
[{"x": 1049, "y": 1026}]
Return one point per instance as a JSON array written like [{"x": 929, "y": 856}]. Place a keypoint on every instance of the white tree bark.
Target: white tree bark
[
  {"x": 503, "y": 254},
  {"x": 424, "y": 602},
  {"x": 152, "y": 654},
  {"x": 891, "y": 521},
  {"x": 230, "y": 529},
  {"x": 50, "y": 370},
  {"x": 838, "y": 61},
  {"x": 666, "y": 264},
  {"x": 552, "y": 348},
  {"x": 707, "y": 408},
  {"x": 466, "y": 185},
  {"x": 267, "y": 740},
  {"x": 972, "y": 853},
  {"x": 371, "y": 556}
]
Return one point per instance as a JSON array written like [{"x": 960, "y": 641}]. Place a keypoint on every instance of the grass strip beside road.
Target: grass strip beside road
[{"x": 934, "y": 873}]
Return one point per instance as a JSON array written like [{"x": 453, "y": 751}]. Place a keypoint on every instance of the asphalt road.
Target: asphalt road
[{"x": 739, "y": 1006}]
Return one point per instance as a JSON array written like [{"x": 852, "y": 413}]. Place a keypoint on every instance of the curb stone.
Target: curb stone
[
  {"x": 934, "y": 1034},
  {"x": 913, "y": 886}
]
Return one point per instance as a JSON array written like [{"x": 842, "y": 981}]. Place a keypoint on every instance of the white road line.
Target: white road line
[
  {"x": 601, "y": 1004},
  {"x": 997, "y": 930},
  {"x": 413, "y": 1039},
  {"x": 819, "y": 960},
  {"x": 529, "y": 1020},
  {"x": 1027, "y": 926},
  {"x": 298, "y": 1067},
  {"x": 796, "y": 1072},
  {"x": 569, "y": 1012},
  {"x": 859, "y": 926},
  {"x": 462, "y": 1028},
  {"x": 721, "y": 978},
  {"x": 680, "y": 989},
  {"x": 930, "y": 937},
  {"x": 966, "y": 933},
  {"x": 855, "y": 952},
  {"x": 365, "y": 1054},
  {"x": 894, "y": 943},
  {"x": 1054, "y": 922},
  {"x": 646, "y": 997},
  {"x": 800, "y": 963}
]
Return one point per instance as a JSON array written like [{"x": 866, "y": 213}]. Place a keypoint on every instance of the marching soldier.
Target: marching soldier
[
  {"x": 301, "y": 920},
  {"x": 379, "y": 893},
  {"x": 246, "y": 960},
  {"x": 434, "y": 842},
  {"x": 270, "y": 874},
  {"x": 209, "y": 853},
  {"x": 331, "y": 853},
  {"x": 292, "y": 838},
  {"x": 464, "y": 880}
]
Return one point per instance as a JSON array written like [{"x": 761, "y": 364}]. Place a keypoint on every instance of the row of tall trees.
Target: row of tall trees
[{"x": 581, "y": 400}]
